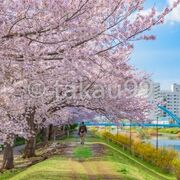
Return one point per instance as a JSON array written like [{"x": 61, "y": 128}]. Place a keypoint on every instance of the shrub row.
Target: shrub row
[
  {"x": 176, "y": 165},
  {"x": 166, "y": 159}
]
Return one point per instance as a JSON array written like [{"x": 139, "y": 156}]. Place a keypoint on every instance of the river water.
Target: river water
[{"x": 166, "y": 141}]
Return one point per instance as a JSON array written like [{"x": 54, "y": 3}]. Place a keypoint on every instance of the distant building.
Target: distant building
[
  {"x": 162, "y": 121},
  {"x": 154, "y": 98},
  {"x": 171, "y": 100}
]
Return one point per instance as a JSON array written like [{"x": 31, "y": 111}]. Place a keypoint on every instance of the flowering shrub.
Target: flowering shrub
[
  {"x": 162, "y": 158},
  {"x": 122, "y": 139},
  {"x": 176, "y": 166}
]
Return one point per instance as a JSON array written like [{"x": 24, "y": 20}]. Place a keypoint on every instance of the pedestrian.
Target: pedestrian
[{"x": 82, "y": 132}]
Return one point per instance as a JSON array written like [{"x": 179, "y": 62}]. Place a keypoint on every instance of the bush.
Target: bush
[
  {"x": 19, "y": 141},
  {"x": 94, "y": 129},
  {"x": 176, "y": 166},
  {"x": 162, "y": 158},
  {"x": 73, "y": 126},
  {"x": 1, "y": 147},
  {"x": 145, "y": 151}
]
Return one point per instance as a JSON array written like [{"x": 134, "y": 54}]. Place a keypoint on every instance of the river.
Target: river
[{"x": 167, "y": 141}]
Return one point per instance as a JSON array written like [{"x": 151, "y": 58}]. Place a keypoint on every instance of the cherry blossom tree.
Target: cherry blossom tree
[
  {"x": 74, "y": 50},
  {"x": 11, "y": 114}
]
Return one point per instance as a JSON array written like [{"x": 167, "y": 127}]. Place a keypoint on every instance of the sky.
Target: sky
[{"x": 161, "y": 58}]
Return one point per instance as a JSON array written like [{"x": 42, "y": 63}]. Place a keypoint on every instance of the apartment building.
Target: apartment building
[
  {"x": 154, "y": 98},
  {"x": 171, "y": 100}
]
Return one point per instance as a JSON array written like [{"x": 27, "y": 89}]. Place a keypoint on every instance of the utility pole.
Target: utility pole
[
  {"x": 157, "y": 133},
  {"x": 130, "y": 138},
  {"x": 117, "y": 130}
]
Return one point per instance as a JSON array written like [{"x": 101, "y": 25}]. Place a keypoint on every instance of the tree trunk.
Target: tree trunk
[
  {"x": 52, "y": 132},
  {"x": 30, "y": 148},
  {"x": 45, "y": 135},
  {"x": 8, "y": 157},
  {"x": 64, "y": 129},
  {"x": 68, "y": 130}
]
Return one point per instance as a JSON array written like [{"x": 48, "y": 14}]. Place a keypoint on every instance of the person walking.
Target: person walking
[{"x": 82, "y": 132}]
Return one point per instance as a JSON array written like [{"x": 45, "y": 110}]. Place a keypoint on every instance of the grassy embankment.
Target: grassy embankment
[{"x": 85, "y": 162}]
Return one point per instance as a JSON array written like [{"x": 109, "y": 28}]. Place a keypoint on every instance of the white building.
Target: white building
[
  {"x": 162, "y": 121},
  {"x": 154, "y": 98},
  {"x": 171, "y": 100}
]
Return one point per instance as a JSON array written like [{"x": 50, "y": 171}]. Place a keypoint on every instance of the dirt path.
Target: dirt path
[
  {"x": 91, "y": 168},
  {"x": 95, "y": 160}
]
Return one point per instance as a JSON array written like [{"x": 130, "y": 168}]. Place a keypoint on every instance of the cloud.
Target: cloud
[{"x": 174, "y": 16}]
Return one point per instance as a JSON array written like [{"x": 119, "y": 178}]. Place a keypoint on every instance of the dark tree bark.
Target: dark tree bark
[
  {"x": 30, "y": 148},
  {"x": 52, "y": 132},
  {"x": 8, "y": 158}
]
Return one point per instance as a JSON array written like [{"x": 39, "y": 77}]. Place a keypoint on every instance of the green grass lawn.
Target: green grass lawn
[
  {"x": 169, "y": 130},
  {"x": 112, "y": 163},
  {"x": 82, "y": 152}
]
